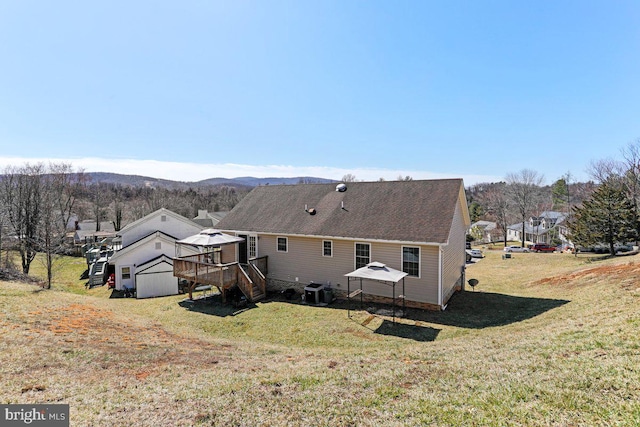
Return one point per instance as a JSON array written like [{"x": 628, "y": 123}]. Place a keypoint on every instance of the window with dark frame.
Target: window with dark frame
[
  {"x": 282, "y": 244},
  {"x": 363, "y": 254},
  {"x": 411, "y": 261},
  {"x": 327, "y": 248}
]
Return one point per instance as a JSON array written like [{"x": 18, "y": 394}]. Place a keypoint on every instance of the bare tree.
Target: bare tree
[
  {"x": 154, "y": 199},
  {"x": 602, "y": 170},
  {"x": 2, "y": 228},
  {"x": 631, "y": 178},
  {"x": 497, "y": 205},
  {"x": 50, "y": 233},
  {"x": 118, "y": 207},
  {"x": 21, "y": 188},
  {"x": 67, "y": 187},
  {"x": 60, "y": 191},
  {"x": 522, "y": 189},
  {"x": 100, "y": 202},
  {"x": 349, "y": 178}
]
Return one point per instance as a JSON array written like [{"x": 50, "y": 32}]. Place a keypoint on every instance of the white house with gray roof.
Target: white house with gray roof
[
  {"x": 547, "y": 227},
  {"x": 145, "y": 262}
]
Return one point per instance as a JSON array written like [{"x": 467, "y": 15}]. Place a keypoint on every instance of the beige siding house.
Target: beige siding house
[{"x": 317, "y": 233}]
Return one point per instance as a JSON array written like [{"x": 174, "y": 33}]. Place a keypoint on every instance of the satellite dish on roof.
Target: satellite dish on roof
[{"x": 342, "y": 187}]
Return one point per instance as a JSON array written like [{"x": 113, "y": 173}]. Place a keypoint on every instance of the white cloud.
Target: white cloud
[{"x": 197, "y": 171}]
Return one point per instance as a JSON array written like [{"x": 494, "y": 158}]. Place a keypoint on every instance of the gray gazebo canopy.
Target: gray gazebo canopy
[
  {"x": 380, "y": 273},
  {"x": 207, "y": 239},
  {"x": 210, "y": 237}
]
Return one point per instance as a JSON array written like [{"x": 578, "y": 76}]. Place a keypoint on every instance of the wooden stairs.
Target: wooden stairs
[{"x": 249, "y": 278}]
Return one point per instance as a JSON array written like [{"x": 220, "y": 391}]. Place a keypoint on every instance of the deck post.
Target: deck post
[{"x": 192, "y": 285}]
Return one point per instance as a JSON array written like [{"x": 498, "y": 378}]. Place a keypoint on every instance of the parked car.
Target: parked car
[
  {"x": 475, "y": 253},
  {"x": 515, "y": 248},
  {"x": 541, "y": 247},
  {"x": 623, "y": 248},
  {"x": 604, "y": 249}
]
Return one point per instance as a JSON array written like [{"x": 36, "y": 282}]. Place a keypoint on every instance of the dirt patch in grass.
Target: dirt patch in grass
[
  {"x": 625, "y": 274},
  {"x": 103, "y": 331}
]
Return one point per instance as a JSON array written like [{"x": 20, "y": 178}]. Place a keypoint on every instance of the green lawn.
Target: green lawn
[{"x": 545, "y": 339}]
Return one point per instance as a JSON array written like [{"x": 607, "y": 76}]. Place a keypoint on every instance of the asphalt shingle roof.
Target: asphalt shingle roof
[{"x": 412, "y": 211}]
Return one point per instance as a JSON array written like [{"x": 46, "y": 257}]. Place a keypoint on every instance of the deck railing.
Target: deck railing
[
  {"x": 258, "y": 279},
  {"x": 261, "y": 264},
  {"x": 192, "y": 269},
  {"x": 199, "y": 269},
  {"x": 245, "y": 284}
]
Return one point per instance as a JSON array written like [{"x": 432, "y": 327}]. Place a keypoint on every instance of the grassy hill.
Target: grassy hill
[{"x": 545, "y": 339}]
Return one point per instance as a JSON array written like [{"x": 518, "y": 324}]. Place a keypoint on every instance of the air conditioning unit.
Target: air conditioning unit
[{"x": 314, "y": 293}]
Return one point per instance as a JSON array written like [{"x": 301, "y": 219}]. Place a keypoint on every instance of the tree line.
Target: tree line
[
  {"x": 602, "y": 211},
  {"x": 39, "y": 201}
]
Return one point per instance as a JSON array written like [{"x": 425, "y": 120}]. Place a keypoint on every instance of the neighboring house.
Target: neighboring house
[
  {"x": 87, "y": 231},
  {"x": 488, "y": 230},
  {"x": 317, "y": 233},
  {"x": 145, "y": 262},
  {"x": 548, "y": 227},
  {"x": 209, "y": 219}
]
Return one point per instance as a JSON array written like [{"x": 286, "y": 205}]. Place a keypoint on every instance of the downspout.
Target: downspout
[{"x": 440, "y": 277}]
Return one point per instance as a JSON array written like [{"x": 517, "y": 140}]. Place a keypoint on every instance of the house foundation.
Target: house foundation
[{"x": 277, "y": 285}]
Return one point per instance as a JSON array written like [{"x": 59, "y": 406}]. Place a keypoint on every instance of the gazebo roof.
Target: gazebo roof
[
  {"x": 210, "y": 237},
  {"x": 378, "y": 271}
]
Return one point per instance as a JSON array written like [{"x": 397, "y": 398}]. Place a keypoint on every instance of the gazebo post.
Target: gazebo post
[
  {"x": 393, "y": 308},
  {"x": 404, "y": 299},
  {"x": 378, "y": 272},
  {"x": 348, "y": 298}
]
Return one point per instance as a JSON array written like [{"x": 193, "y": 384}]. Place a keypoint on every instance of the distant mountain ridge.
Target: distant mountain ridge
[{"x": 245, "y": 181}]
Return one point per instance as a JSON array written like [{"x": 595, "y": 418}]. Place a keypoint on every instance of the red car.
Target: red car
[{"x": 540, "y": 247}]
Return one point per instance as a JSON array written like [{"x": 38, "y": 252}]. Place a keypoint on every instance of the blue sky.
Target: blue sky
[{"x": 200, "y": 89}]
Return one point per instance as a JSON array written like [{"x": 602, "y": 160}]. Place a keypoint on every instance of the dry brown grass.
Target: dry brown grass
[{"x": 546, "y": 339}]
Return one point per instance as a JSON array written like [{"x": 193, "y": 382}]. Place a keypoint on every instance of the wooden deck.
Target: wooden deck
[{"x": 250, "y": 278}]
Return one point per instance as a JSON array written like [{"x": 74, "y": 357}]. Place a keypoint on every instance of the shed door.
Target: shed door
[
  {"x": 156, "y": 284},
  {"x": 126, "y": 276}
]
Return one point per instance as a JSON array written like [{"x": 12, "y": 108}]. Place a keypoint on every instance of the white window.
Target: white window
[
  {"x": 126, "y": 273},
  {"x": 253, "y": 246},
  {"x": 363, "y": 254},
  {"x": 283, "y": 244},
  {"x": 327, "y": 248}
]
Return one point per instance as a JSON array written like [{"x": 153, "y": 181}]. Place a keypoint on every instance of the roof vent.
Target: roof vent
[{"x": 342, "y": 187}]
